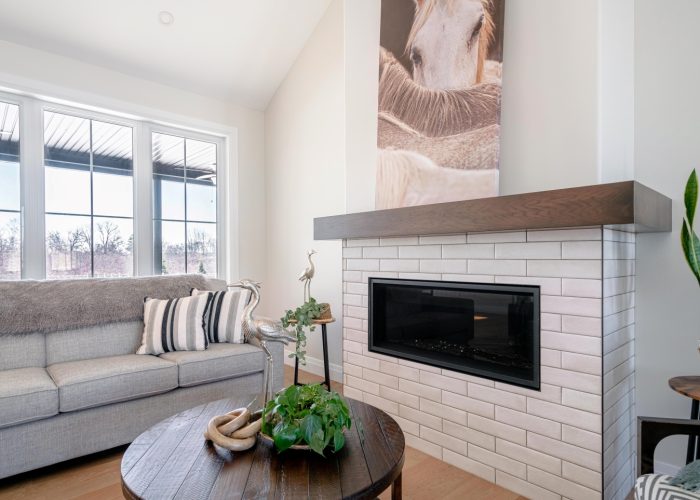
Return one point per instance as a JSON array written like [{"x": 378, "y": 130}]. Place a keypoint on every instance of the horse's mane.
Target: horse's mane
[
  {"x": 425, "y": 7},
  {"x": 434, "y": 113}
]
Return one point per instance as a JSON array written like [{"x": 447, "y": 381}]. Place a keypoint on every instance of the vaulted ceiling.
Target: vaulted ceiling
[{"x": 229, "y": 49}]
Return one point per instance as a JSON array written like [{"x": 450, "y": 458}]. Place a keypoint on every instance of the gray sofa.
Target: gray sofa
[{"x": 70, "y": 383}]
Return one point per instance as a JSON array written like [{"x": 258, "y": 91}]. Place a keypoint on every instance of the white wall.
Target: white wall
[
  {"x": 550, "y": 95},
  {"x": 616, "y": 96},
  {"x": 361, "y": 18},
  {"x": 667, "y": 108},
  {"x": 305, "y": 178},
  {"x": 45, "y": 74}
]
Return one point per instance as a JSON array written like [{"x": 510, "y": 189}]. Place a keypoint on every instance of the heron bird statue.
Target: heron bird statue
[
  {"x": 261, "y": 331},
  {"x": 307, "y": 275}
]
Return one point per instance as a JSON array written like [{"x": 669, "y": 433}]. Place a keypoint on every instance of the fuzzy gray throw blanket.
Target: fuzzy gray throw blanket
[
  {"x": 688, "y": 478},
  {"x": 54, "y": 305}
]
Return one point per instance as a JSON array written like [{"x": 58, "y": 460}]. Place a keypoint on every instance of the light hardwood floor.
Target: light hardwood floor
[{"x": 97, "y": 476}]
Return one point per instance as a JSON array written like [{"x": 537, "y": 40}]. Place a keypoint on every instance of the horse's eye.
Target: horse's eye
[
  {"x": 479, "y": 25},
  {"x": 416, "y": 58}
]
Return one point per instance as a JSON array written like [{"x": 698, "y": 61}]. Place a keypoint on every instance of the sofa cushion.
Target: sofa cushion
[
  {"x": 101, "y": 381},
  {"x": 26, "y": 394},
  {"x": 219, "y": 362},
  {"x": 101, "y": 341},
  {"x": 22, "y": 351}
]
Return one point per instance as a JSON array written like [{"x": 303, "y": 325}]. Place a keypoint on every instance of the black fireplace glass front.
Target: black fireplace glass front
[{"x": 487, "y": 330}]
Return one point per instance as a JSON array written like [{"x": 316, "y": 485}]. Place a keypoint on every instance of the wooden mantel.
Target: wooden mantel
[{"x": 620, "y": 203}]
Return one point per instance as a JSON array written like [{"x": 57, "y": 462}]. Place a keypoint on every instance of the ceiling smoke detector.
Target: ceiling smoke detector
[{"x": 166, "y": 18}]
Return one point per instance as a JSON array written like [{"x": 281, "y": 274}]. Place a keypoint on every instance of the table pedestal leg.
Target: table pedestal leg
[
  {"x": 692, "y": 454},
  {"x": 396, "y": 489}
]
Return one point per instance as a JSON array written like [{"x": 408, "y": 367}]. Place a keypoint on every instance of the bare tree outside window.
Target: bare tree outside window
[
  {"x": 184, "y": 205},
  {"x": 10, "y": 229},
  {"x": 89, "y": 197},
  {"x": 10, "y": 249}
]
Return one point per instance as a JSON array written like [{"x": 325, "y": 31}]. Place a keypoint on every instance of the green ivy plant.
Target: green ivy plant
[
  {"x": 307, "y": 414},
  {"x": 302, "y": 317},
  {"x": 689, "y": 239}
]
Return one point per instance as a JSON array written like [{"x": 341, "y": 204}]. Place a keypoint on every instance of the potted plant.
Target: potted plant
[
  {"x": 306, "y": 417},
  {"x": 303, "y": 317},
  {"x": 689, "y": 240}
]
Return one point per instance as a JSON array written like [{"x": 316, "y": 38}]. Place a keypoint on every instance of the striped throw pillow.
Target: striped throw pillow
[
  {"x": 222, "y": 321},
  {"x": 174, "y": 325}
]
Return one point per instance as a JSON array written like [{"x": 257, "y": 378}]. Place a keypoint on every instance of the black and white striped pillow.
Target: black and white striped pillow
[
  {"x": 174, "y": 325},
  {"x": 222, "y": 321},
  {"x": 658, "y": 487}
]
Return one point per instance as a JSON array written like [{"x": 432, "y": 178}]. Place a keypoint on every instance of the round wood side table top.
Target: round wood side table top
[
  {"x": 325, "y": 321},
  {"x": 687, "y": 385},
  {"x": 172, "y": 460}
]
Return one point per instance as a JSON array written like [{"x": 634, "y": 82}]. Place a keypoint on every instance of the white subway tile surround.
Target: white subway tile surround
[{"x": 540, "y": 444}]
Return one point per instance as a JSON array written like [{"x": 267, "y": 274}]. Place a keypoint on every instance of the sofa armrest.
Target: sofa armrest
[{"x": 651, "y": 431}]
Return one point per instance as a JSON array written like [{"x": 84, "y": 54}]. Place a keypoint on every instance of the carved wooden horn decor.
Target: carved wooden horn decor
[{"x": 234, "y": 431}]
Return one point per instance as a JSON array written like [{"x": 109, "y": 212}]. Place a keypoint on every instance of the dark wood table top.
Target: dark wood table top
[
  {"x": 688, "y": 385},
  {"x": 172, "y": 460}
]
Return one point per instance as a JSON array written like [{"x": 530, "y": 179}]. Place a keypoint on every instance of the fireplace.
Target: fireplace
[{"x": 487, "y": 330}]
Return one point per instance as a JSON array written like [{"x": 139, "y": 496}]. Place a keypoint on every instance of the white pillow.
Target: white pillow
[
  {"x": 222, "y": 320},
  {"x": 174, "y": 325}
]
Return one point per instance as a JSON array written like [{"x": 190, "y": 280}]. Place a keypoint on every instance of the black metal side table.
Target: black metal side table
[
  {"x": 689, "y": 386},
  {"x": 324, "y": 337}
]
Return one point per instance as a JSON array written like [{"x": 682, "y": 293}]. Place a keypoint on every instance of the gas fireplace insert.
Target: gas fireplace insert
[{"x": 486, "y": 330}]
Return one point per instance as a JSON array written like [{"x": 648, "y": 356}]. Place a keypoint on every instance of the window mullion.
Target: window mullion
[
  {"x": 92, "y": 205},
  {"x": 184, "y": 170},
  {"x": 224, "y": 232},
  {"x": 143, "y": 201},
  {"x": 32, "y": 187}
]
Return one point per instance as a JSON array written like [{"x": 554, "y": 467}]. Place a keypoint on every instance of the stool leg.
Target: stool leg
[
  {"x": 694, "y": 410},
  {"x": 326, "y": 370}
]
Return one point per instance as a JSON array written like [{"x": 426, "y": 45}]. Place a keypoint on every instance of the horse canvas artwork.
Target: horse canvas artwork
[{"x": 440, "y": 66}]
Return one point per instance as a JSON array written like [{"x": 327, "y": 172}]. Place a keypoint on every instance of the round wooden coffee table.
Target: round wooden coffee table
[{"x": 172, "y": 460}]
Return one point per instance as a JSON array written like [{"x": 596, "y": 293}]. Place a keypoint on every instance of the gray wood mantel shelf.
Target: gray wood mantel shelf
[{"x": 620, "y": 204}]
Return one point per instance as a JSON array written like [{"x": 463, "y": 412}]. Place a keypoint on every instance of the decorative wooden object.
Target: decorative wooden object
[
  {"x": 234, "y": 431},
  {"x": 621, "y": 203},
  {"x": 171, "y": 460}
]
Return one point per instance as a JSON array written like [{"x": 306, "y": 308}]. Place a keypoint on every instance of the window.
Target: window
[
  {"x": 90, "y": 194},
  {"x": 88, "y": 197},
  {"x": 10, "y": 234},
  {"x": 184, "y": 205}
]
